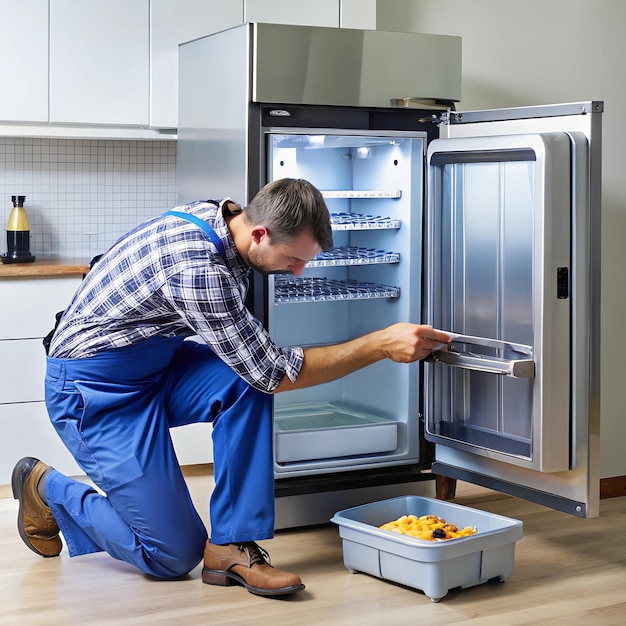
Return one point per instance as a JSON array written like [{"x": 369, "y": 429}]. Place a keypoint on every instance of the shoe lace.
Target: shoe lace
[{"x": 255, "y": 553}]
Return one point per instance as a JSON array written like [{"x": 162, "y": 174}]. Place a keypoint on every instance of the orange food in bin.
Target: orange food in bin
[{"x": 429, "y": 527}]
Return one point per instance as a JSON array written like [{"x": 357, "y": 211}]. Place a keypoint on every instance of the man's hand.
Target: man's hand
[{"x": 406, "y": 343}]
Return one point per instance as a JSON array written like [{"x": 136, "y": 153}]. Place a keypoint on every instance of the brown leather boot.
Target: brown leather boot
[
  {"x": 35, "y": 522},
  {"x": 246, "y": 564}
]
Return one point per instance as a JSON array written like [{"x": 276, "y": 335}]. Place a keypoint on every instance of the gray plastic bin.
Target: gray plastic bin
[{"x": 433, "y": 567}]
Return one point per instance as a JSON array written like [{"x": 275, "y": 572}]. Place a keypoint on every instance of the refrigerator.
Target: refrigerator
[{"x": 485, "y": 224}]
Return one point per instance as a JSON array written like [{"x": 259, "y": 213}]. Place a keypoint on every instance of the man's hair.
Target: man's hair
[{"x": 289, "y": 207}]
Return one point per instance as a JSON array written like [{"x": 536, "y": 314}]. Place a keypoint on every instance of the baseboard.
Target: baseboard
[{"x": 613, "y": 487}]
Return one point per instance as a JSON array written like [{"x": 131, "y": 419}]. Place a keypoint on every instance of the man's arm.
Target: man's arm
[{"x": 403, "y": 343}]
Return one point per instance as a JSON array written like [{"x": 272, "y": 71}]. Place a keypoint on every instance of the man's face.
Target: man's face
[{"x": 291, "y": 257}]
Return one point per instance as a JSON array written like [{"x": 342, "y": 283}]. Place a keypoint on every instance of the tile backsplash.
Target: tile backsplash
[{"x": 82, "y": 194}]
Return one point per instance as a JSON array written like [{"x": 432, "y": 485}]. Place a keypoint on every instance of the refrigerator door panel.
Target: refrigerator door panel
[
  {"x": 372, "y": 182},
  {"x": 500, "y": 214},
  {"x": 495, "y": 429}
]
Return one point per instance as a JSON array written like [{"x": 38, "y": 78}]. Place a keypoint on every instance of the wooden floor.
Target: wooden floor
[{"x": 567, "y": 571}]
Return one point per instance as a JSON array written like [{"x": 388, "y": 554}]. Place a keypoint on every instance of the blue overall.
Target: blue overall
[{"x": 113, "y": 411}]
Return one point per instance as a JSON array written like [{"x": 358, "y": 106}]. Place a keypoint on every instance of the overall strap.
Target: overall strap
[{"x": 210, "y": 233}]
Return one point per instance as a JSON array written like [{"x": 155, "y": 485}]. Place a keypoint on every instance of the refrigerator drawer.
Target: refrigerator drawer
[{"x": 308, "y": 432}]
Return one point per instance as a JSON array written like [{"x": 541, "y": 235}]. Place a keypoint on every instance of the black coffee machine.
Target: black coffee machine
[{"x": 18, "y": 234}]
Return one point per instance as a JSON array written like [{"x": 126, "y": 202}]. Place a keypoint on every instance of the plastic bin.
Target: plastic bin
[{"x": 433, "y": 567}]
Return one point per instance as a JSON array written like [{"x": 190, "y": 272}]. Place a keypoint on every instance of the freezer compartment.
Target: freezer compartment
[
  {"x": 433, "y": 567},
  {"x": 329, "y": 430}
]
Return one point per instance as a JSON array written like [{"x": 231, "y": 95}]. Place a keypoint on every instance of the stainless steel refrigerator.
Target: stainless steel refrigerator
[{"x": 485, "y": 224}]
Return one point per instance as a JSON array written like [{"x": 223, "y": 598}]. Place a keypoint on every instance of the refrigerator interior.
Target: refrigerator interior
[{"x": 373, "y": 187}]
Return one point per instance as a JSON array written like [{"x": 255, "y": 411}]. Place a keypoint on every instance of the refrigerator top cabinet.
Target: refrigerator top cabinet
[{"x": 512, "y": 268}]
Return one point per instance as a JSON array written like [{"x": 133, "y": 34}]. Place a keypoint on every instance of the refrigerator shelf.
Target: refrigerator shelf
[
  {"x": 354, "y": 193},
  {"x": 358, "y": 221},
  {"x": 352, "y": 255},
  {"x": 292, "y": 289}
]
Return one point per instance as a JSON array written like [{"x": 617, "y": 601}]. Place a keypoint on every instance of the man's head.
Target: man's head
[{"x": 290, "y": 225}]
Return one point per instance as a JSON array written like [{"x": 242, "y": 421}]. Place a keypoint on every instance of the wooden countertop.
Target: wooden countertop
[{"x": 44, "y": 267}]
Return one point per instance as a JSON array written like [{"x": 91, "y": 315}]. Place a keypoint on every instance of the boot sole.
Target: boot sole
[
  {"x": 17, "y": 486},
  {"x": 226, "y": 579}
]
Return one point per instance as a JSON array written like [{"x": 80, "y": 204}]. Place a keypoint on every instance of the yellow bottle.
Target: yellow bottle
[{"x": 18, "y": 234}]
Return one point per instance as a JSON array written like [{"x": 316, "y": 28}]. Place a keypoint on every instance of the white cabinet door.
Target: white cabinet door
[
  {"x": 173, "y": 23},
  {"x": 358, "y": 14},
  {"x": 99, "y": 62},
  {"x": 29, "y": 304},
  {"x": 24, "y": 60},
  {"x": 193, "y": 444},
  {"x": 319, "y": 13},
  {"x": 23, "y": 372},
  {"x": 26, "y": 431}
]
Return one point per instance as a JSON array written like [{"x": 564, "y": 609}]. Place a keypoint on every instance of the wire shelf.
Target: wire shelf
[
  {"x": 353, "y": 255},
  {"x": 365, "y": 193},
  {"x": 358, "y": 221},
  {"x": 292, "y": 289}
]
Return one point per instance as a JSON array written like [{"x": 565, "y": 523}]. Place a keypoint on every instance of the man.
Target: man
[{"x": 119, "y": 376}]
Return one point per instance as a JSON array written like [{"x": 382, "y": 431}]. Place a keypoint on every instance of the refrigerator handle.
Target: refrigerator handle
[{"x": 516, "y": 368}]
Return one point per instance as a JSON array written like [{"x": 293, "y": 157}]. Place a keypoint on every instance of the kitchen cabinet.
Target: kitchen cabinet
[
  {"x": 358, "y": 14},
  {"x": 320, "y": 13},
  {"x": 333, "y": 13},
  {"x": 27, "y": 431},
  {"x": 99, "y": 62},
  {"x": 24, "y": 65},
  {"x": 115, "y": 63},
  {"x": 27, "y": 315},
  {"x": 172, "y": 23},
  {"x": 29, "y": 305}
]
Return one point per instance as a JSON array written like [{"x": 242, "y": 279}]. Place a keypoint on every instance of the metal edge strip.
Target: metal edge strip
[{"x": 579, "y": 509}]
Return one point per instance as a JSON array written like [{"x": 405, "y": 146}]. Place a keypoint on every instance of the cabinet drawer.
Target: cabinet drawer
[
  {"x": 23, "y": 370},
  {"x": 29, "y": 304}
]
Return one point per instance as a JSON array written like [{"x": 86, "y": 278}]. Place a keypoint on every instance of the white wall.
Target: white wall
[{"x": 541, "y": 52}]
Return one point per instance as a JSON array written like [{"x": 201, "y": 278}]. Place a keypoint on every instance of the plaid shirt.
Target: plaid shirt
[{"x": 165, "y": 278}]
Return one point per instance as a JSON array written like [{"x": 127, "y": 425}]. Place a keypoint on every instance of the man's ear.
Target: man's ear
[{"x": 258, "y": 233}]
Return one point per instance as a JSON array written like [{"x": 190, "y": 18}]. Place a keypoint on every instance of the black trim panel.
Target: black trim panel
[
  {"x": 483, "y": 156},
  {"x": 322, "y": 483}
]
